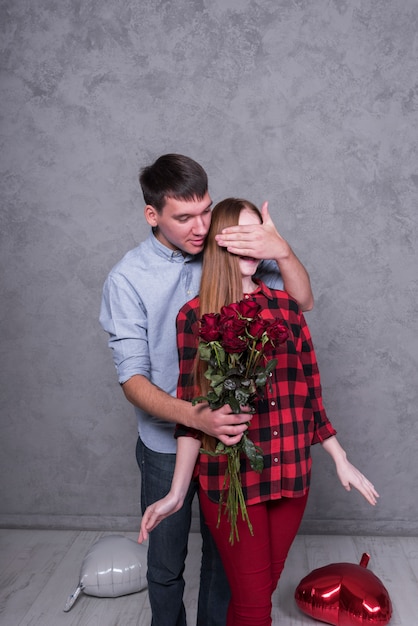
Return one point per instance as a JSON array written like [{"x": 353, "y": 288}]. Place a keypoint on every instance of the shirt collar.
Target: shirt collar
[{"x": 262, "y": 288}]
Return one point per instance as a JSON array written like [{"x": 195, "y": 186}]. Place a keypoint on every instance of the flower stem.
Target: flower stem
[{"x": 235, "y": 501}]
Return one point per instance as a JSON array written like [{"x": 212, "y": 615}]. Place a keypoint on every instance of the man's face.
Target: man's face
[{"x": 182, "y": 225}]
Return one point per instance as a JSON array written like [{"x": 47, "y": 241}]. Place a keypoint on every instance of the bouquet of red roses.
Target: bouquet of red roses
[{"x": 235, "y": 344}]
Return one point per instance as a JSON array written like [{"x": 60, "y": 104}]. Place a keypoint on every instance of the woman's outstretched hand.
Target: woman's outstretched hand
[
  {"x": 156, "y": 513},
  {"x": 349, "y": 475}
]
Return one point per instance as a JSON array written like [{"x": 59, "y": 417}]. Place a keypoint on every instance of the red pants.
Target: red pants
[{"x": 253, "y": 565}]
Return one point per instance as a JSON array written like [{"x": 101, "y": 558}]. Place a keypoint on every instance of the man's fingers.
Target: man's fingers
[
  {"x": 229, "y": 440},
  {"x": 237, "y": 233},
  {"x": 265, "y": 211}
]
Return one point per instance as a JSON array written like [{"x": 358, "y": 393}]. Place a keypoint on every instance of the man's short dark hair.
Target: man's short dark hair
[{"x": 172, "y": 176}]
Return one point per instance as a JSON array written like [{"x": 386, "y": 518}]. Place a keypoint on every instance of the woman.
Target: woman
[{"x": 287, "y": 421}]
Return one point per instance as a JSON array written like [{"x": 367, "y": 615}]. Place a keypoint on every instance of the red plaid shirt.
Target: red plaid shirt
[{"x": 288, "y": 420}]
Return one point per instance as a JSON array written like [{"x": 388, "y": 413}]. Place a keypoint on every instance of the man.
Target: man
[{"x": 141, "y": 298}]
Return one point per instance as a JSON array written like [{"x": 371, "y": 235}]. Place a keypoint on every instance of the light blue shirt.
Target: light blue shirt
[{"x": 141, "y": 298}]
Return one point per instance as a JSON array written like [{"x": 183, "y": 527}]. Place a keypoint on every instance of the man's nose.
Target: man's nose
[{"x": 199, "y": 224}]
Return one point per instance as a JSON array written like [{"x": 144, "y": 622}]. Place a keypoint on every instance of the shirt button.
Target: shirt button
[
  {"x": 275, "y": 433},
  {"x": 273, "y": 403},
  {"x": 276, "y": 460},
  {"x": 271, "y": 374}
]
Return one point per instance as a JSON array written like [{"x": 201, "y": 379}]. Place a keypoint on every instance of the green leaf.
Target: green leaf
[
  {"x": 215, "y": 400},
  {"x": 271, "y": 365},
  {"x": 205, "y": 351},
  {"x": 242, "y": 396},
  {"x": 217, "y": 379},
  {"x": 199, "y": 399},
  {"x": 254, "y": 454},
  {"x": 218, "y": 391},
  {"x": 260, "y": 379},
  {"x": 233, "y": 404},
  {"x": 220, "y": 353}
]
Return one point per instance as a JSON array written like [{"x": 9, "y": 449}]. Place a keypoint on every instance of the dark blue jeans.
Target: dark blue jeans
[{"x": 167, "y": 551}]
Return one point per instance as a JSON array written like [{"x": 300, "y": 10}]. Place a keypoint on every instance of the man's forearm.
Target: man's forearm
[
  {"x": 154, "y": 401},
  {"x": 296, "y": 280},
  {"x": 222, "y": 423}
]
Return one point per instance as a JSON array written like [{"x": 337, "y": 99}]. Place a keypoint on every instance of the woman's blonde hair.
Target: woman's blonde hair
[{"x": 221, "y": 281}]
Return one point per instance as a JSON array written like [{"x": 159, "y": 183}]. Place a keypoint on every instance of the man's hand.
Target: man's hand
[
  {"x": 263, "y": 241},
  {"x": 260, "y": 241},
  {"x": 222, "y": 424}
]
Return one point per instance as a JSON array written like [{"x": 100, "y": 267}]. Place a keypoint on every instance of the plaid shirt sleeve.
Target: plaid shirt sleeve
[
  {"x": 187, "y": 341},
  {"x": 322, "y": 426}
]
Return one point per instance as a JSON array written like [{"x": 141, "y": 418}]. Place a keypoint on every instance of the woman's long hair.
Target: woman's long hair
[{"x": 221, "y": 281}]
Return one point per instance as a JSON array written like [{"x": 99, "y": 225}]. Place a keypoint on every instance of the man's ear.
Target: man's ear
[{"x": 151, "y": 215}]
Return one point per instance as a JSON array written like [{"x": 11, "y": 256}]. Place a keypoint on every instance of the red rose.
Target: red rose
[
  {"x": 209, "y": 329},
  {"x": 231, "y": 342},
  {"x": 233, "y": 324},
  {"x": 257, "y": 327},
  {"x": 230, "y": 310},
  {"x": 277, "y": 332},
  {"x": 248, "y": 309}
]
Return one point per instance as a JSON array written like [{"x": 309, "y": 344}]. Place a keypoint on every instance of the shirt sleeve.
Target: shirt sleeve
[
  {"x": 124, "y": 318},
  {"x": 323, "y": 428},
  {"x": 269, "y": 273},
  {"x": 187, "y": 341}
]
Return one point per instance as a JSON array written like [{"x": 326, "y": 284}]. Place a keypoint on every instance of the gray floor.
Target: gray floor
[{"x": 39, "y": 569}]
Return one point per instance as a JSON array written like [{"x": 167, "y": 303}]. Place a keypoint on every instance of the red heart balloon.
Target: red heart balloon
[{"x": 344, "y": 594}]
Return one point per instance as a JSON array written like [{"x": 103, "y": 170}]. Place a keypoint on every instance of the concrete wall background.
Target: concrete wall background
[{"x": 311, "y": 105}]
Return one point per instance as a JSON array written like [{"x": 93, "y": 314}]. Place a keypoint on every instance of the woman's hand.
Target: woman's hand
[
  {"x": 157, "y": 512},
  {"x": 187, "y": 453},
  {"x": 349, "y": 475}
]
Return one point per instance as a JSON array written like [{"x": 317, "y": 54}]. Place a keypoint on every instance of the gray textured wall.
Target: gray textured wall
[{"x": 311, "y": 105}]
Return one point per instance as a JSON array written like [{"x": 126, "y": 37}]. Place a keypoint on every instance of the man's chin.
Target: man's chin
[{"x": 195, "y": 248}]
